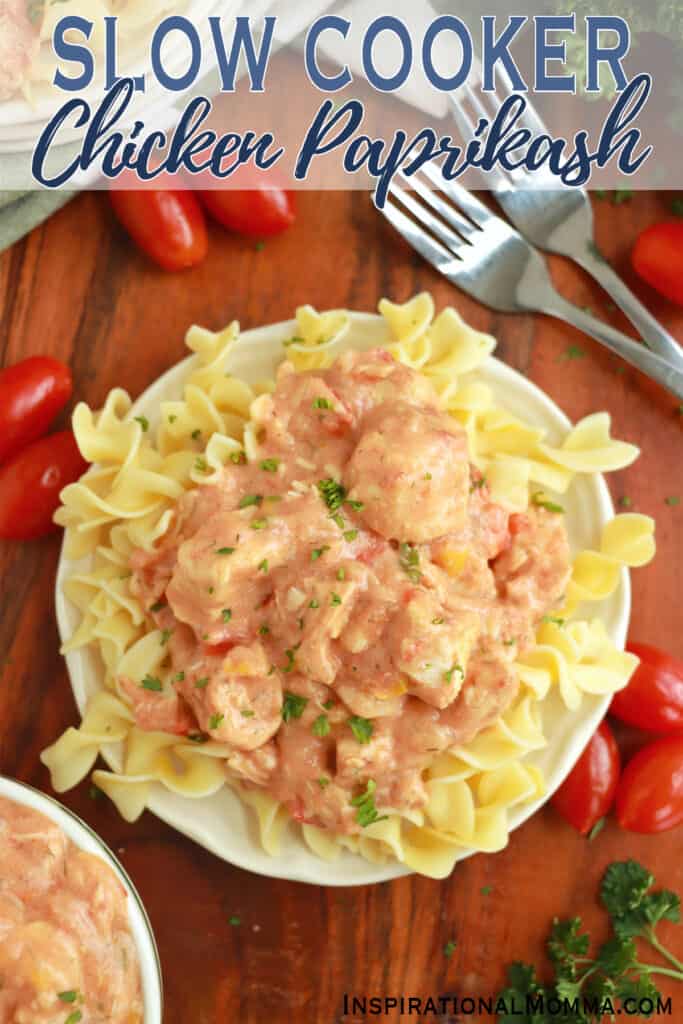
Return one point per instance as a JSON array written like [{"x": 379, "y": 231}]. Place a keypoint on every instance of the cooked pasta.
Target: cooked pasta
[{"x": 126, "y": 501}]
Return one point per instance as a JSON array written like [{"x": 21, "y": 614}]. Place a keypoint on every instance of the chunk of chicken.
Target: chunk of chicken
[
  {"x": 431, "y": 647},
  {"x": 533, "y": 572},
  {"x": 239, "y": 700},
  {"x": 411, "y": 473}
]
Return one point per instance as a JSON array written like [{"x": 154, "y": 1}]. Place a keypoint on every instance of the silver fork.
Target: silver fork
[
  {"x": 557, "y": 219},
  {"x": 485, "y": 257}
]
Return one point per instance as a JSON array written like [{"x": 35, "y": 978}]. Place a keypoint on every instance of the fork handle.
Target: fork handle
[
  {"x": 637, "y": 355},
  {"x": 653, "y": 334}
]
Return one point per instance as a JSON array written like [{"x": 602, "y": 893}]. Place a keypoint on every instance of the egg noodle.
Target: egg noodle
[{"x": 126, "y": 501}]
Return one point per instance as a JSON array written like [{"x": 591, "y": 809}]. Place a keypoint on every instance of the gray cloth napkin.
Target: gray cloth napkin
[{"x": 20, "y": 212}]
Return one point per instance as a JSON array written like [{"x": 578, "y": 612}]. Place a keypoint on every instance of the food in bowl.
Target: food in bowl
[
  {"x": 348, "y": 593},
  {"x": 67, "y": 952}
]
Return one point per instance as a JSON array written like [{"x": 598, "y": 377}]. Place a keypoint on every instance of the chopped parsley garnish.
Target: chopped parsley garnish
[
  {"x": 322, "y": 403},
  {"x": 201, "y": 683},
  {"x": 247, "y": 713},
  {"x": 258, "y": 524},
  {"x": 143, "y": 421},
  {"x": 226, "y": 614},
  {"x": 196, "y": 434},
  {"x": 427, "y": 476},
  {"x": 250, "y": 499},
  {"x": 289, "y": 653},
  {"x": 197, "y": 737},
  {"x": 314, "y": 603},
  {"x": 366, "y": 812},
  {"x": 554, "y": 619},
  {"x": 263, "y": 565},
  {"x": 215, "y": 721},
  {"x": 165, "y": 636},
  {"x": 235, "y": 921},
  {"x": 323, "y": 781},
  {"x": 327, "y": 704},
  {"x": 625, "y": 501},
  {"x": 157, "y": 606},
  {"x": 573, "y": 352},
  {"x": 361, "y": 728},
  {"x": 350, "y": 534},
  {"x": 74, "y": 1017},
  {"x": 486, "y": 890},
  {"x": 332, "y": 493},
  {"x": 550, "y": 506},
  {"x": 317, "y": 553},
  {"x": 357, "y": 506},
  {"x": 270, "y": 465},
  {"x": 409, "y": 558},
  {"x": 172, "y": 418},
  {"x": 260, "y": 246},
  {"x": 597, "y": 829},
  {"x": 438, "y": 621},
  {"x": 477, "y": 484},
  {"x": 294, "y": 340},
  {"x": 238, "y": 458},
  {"x": 264, "y": 629},
  {"x": 449, "y": 949},
  {"x": 321, "y": 726},
  {"x": 151, "y": 683},
  {"x": 293, "y": 706},
  {"x": 179, "y": 678},
  {"x": 672, "y": 500},
  {"x": 201, "y": 465},
  {"x": 338, "y": 520},
  {"x": 341, "y": 574},
  {"x": 70, "y": 996},
  {"x": 448, "y": 675},
  {"x": 225, "y": 551},
  {"x": 335, "y": 599}
]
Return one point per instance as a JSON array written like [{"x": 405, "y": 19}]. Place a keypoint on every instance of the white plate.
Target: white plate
[
  {"x": 221, "y": 823},
  {"x": 85, "y": 839}
]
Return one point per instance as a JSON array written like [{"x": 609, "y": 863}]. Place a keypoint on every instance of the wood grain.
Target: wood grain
[{"x": 77, "y": 289}]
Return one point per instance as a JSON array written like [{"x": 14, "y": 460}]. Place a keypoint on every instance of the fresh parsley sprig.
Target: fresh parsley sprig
[{"x": 594, "y": 987}]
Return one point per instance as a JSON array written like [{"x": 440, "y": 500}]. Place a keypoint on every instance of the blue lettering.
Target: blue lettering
[
  {"x": 74, "y": 52},
  {"x": 243, "y": 40},
  {"x": 314, "y": 143},
  {"x": 110, "y": 75},
  {"x": 495, "y": 50},
  {"x": 610, "y": 55},
  {"x": 176, "y": 24},
  {"x": 387, "y": 23},
  {"x": 326, "y": 83},
  {"x": 546, "y": 51},
  {"x": 447, "y": 21}
]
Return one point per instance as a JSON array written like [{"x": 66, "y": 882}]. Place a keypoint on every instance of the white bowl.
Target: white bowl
[
  {"x": 222, "y": 823},
  {"x": 85, "y": 839}
]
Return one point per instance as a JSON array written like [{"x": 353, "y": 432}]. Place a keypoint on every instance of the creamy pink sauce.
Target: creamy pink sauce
[
  {"x": 332, "y": 646},
  {"x": 65, "y": 941},
  {"x": 18, "y": 44}
]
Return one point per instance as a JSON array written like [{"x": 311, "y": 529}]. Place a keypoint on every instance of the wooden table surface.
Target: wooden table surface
[{"x": 77, "y": 289}]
